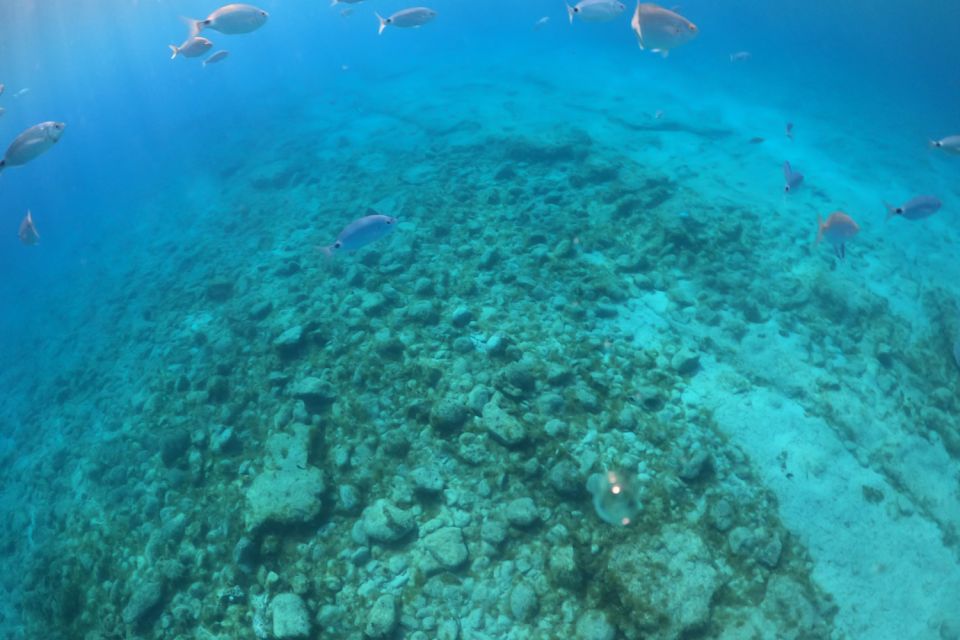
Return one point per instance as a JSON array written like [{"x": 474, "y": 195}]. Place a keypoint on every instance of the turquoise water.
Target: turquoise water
[{"x": 598, "y": 383}]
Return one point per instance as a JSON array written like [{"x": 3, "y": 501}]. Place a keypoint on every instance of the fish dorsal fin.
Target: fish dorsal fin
[{"x": 372, "y": 212}]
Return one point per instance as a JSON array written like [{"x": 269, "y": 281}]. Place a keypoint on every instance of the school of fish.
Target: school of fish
[{"x": 656, "y": 28}]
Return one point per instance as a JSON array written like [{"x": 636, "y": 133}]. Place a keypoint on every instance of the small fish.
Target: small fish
[
  {"x": 231, "y": 19},
  {"x": 32, "y": 143},
  {"x": 596, "y": 10},
  {"x": 789, "y": 130},
  {"x": 2, "y": 87},
  {"x": 334, "y": 3},
  {"x": 541, "y": 23},
  {"x": 22, "y": 92},
  {"x": 28, "y": 231},
  {"x": 216, "y": 57},
  {"x": 2, "y": 111},
  {"x": 362, "y": 232},
  {"x": 659, "y": 29},
  {"x": 192, "y": 47},
  {"x": 756, "y": 140},
  {"x": 413, "y": 17},
  {"x": 740, "y": 56},
  {"x": 837, "y": 229},
  {"x": 792, "y": 178},
  {"x": 916, "y": 208},
  {"x": 346, "y": 13},
  {"x": 950, "y": 144}
]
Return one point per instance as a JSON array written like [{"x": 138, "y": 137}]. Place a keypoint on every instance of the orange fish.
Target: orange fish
[
  {"x": 28, "y": 231},
  {"x": 838, "y": 228}
]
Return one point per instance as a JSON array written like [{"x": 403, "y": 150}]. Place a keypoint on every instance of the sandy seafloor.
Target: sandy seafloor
[{"x": 401, "y": 437}]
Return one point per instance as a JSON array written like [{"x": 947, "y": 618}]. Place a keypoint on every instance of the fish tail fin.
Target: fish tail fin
[
  {"x": 175, "y": 51},
  {"x": 570, "y": 12},
  {"x": 327, "y": 251},
  {"x": 820, "y": 228},
  {"x": 193, "y": 26},
  {"x": 383, "y": 23}
]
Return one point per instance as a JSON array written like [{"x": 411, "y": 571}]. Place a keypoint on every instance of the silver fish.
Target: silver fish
[
  {"x": 792, "y": 178},
  {"x": 541, "y": 23},
  {"x": 215, "y": 57},
  {"x": 32, "y": 143},
  {"x": 413, "y": 17},
  {"x": 334, "y": 3},
  {"x": 915, "y": 208},
  {"x": 660, "y": 29},
  {"x": 362, "y": 232},
  {"x": 950, "y": 144},
  {"x": 192, "y": 47},
  {"x": 231, "y": 19},
  {"x": 596, "y": 10},
  {"x": 740, "y": 56},
  {"x": 2, "y": 87}
]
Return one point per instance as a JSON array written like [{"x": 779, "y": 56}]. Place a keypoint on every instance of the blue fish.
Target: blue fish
[
  {"x": 916, "y": 208},
  {"x": 362, "y": 232}
]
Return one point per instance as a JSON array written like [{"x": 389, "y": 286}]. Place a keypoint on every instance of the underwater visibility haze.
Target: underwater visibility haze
[{"x": 479, "y": 320}]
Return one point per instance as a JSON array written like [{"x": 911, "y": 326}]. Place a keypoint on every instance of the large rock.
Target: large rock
[
  {"x": 290, "y": 341},
  {"x": 385, "y": 522},
  {"x": 290, "y": 617},
  {"x": 502, "y": 426},
  {"x": 289, "y": 490},
  {"x": 288, "y": 449},
  {"x": 144, "y": 600},
  {"x": 315, "y": 392},
  {"x": 664, "y": 588},
  {"x": 382, "y": 620},
  {"x": 442, "y": 549},
  {"x": 284, "y": 496}
]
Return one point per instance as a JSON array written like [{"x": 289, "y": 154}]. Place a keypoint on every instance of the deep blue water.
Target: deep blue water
[{"x": 145, "y": 191}]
